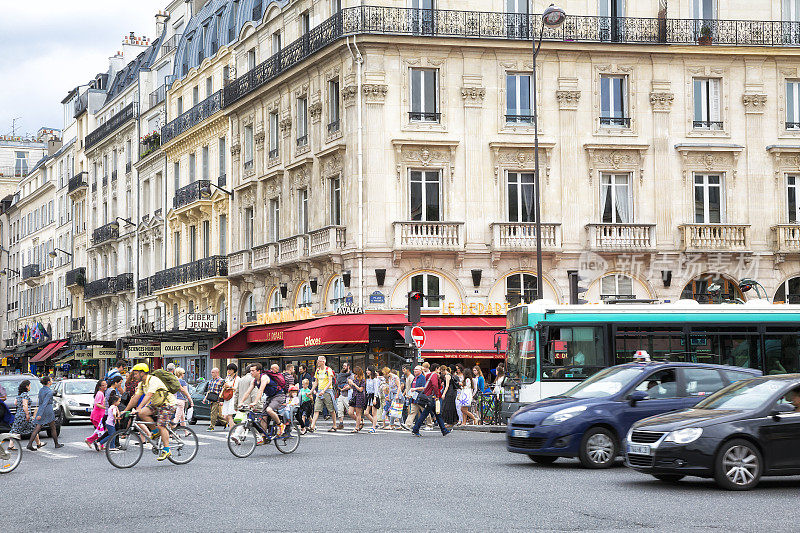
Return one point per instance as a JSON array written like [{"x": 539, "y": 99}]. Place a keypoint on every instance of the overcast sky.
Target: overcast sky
[{"x": 47, "y": 47}]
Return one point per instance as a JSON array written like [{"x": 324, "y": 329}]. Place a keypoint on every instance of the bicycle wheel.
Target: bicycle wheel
[
  {"x": 10, "y": 458},
  {"x": 290, "y": 439},
  {"x": 183, "y": 445},
  {"x": 125, "y": 449},
  {"x": 242, "y": 439}
]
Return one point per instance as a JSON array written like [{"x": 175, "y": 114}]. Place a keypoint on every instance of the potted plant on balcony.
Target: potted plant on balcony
[{"x": 705, "y": 35}]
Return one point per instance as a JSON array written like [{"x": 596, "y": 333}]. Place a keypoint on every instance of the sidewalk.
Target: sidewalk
[{"x": 486, "y": 428}]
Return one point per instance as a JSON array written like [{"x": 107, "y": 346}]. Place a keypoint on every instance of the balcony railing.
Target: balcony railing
[
  {"x": 111, "y": 125},
  {"x": 150, "y": 143},
  {"x": 292, "y": 249},
  {"x": 222, "y": 180},
  {"x": 619, "y": 122},
  {"x": 519, "y": 119},
  {"x": 128, "y": 167},
  {"x": 78, "y": 181},
  {"x": 428, "y": 235},
  {"x": 715, "y": 237},
  {"x": 423, "y": 116},
  {"x": 109, "y": 286},
  {"x": 263, "y": 256},
  {"x": 521, "y": 236},
  {"x": 192, "y": 117},
  {"x": 77, "y": 324},
  {"x": 30, "y": 271},
  {"x": 124, "y": 282},
  {"x": 620, "y": 237},
  {"x": 238, "y": 263},
  {"x": 144, "y": 287},
  {"x": 75, "y": 277},
  {"x": 330, "y": 239},
  {"x": 793, "y": 125},
  {"x": 198, "y": 190},
  {"x": 170, "y": 44},
  {"x": 158, "y": 96},
  {"x": 707, "y": 125},
  {"x": 273, "y": 153},
  {"x": 787, "y": 238},
  {"x": 209, "y": 267},
  {"x": 105, "y": 233},
  {"x": 333, "y": 126},
  {"x": 113, "y": 176},
  {"x": 302, "y": 140}
]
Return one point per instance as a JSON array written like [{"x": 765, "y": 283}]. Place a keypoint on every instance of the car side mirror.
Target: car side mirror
[
  {"x": 781, "y": 408},
  {"x": 637, "y": 396}
]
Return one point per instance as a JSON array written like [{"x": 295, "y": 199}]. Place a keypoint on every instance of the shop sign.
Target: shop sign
[
  {"x": 143, "y": 328},
  {"x": 287, "y": 315},
  {"x": 83, "y": 354},
  {"x": 348, "y": 300},
  {"x": 377, "y": 297},
  {"x": 144, "y": 350},
  {"x": 349, "y": 310},
  {"x": 201, "y": 321},
  {"x": 473, "y": 308},
  {"x": 272, "y": 336},
  {"x": 169, "y": 349},
  {"x": 80, "y": 336},
  {"x": 4, "y": 361},
  {"x": 99, "y": 352}
]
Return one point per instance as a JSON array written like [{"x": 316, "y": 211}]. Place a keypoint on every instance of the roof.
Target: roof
[{"x": 130, "y": 72}]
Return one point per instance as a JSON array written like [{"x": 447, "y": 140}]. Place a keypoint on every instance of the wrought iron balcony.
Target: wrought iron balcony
[
  {"x": 302, "y": 140},
  {"x": 144, "y": 287},
  {"x": 77, "y": 324},
  {"x": 111, "y": 125},
  {"x": 333, "y": 126},
  {"x": 519, "y": 119},
  {"x": 521, "y": 236},
  {"x": 124, "y": 282},
  {"x": 113, "y": 176},
  {"x": 105, "y": 181},
  {"x": 422, "y": 116},
  {"x": 209, "y": 267},
  {"x": 221, "y": 180},
  {"x": 793, "y": 125},
  {"x": 158, "y": 96},
  {"x": 76, "y": 182},
  {"x": 170, "y": 44},
  {"x": 99, "y": 287},
  {"x": 105, "y": 233},
  {"x": 75, "y": 277},
  {"x": 707, "y": 124},
  {"x": 619, "y": 122},
  {"x": 199, "y": 190},
  {"x": 30, "y": 271},
  {"x": 192, "y": 117},
  {"x": 128, "y": 167}
]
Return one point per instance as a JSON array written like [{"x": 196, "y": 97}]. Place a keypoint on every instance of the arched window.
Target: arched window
[
  {"x": 430, "y": 286},
  {"x": 304, "y": 295},
  {"x": 249, "y": 309},
  {"x": 275, "y": 300},
  {"x": 520, "y": 288},
  {"x": 710, "y": 289},
  {"x": 788, "y": 292},
  {"x": 336, "y": 294},
  {"x": 615, "y": 286}
]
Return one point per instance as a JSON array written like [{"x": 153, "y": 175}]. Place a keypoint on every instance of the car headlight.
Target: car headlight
[
  {"x": 73, "y": 403},
  {"x": 684, "y": 436},
  {"x": 563, "y": 415}
]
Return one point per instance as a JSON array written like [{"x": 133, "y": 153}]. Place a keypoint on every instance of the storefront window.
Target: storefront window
[{"x": 572, "y": 352}]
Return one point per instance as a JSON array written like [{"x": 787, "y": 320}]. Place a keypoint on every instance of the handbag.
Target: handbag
[
  {"x": 212, "y": 397},
  {"x": 423, "y": 400},
  {"x": 227, "y": 394}
]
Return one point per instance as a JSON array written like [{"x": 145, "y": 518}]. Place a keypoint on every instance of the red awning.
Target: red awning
[
  {"x": 246, "y": 337},
  {"x": 48, "y": 351},
  {"x": 339, "y": 329},
  {"x": 457, "y": 343}
]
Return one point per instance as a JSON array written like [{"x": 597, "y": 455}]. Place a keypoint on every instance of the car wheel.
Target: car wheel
[
  {"x": 669, "y": 478},
  {"x": 543, "y": 459},
  {"x": 738, "y": 465},
  {"x": 598, "y": 448}
]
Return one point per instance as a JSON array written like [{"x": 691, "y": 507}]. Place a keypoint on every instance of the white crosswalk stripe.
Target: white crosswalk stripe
[{"x": 54, "y": 455}]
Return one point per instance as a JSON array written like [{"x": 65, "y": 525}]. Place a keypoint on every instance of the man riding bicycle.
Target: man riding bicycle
[
  {"x": 276, "y": 396},
  {"x": 156, "y": 402}
]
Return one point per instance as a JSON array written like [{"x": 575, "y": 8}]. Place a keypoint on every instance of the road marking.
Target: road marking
[
  {"x": 55, "y": 455},
  {"x": 212, "y": 437}
]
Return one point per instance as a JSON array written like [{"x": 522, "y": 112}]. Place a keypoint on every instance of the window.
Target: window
[
  {"x": 191, "y": 306},
  {"x": 304, "y": 295},
  {"x": 707, "y": 104},
  {"x": 204, "y": 162},
  {"x": 21, "y": 164},
  {"x": 333, "y": 106},
  {"x": 275, "y": 303},
  {"x": 336, "y": 201},
  {"x": 302, "y": 121},
  {"x": 615, "y": 285},
  {"x": 615, "y": 198},
  {"x": 248, "y": 228},
  {"x": 223, "y": 234},
  {"x": 614, "y": 101},
  {"x": 305, "y": 23},
  {"x": 792, "y": 207},
  {"x": 248, "y": 146},
  {"x": 273, "y": 135},
  {"x": 157, "y": 319},
  {"x": 206, "y": 238},
  {"x": 209, "y": 86},
  {"x": 424, "y": 95},
  {"x": 425, "y": 195},
  {"x": 788, "y": 292},
  {"x": 192, "y": 167},
  {"x": 274, "y": 219},
  {"x": 251, "y": 59},
  {"x": 176, "y": 172},
  {"x": 177, "y": 248},
  {"x": 660, "y": 385},
  {"x": 520, "y": 197},
  {"x": 257, "y": 13},
  {"x": 192, "y": 244},
  {"x": 518, "y": 99},
  {"x": 222, "y": 156},
  {"x": 276, "y": 42},
  {"x": 611, "y": 23},
  {"x": 180, "y": 105},
  {"x": 793, "y": 104},
  {"x": 337, "y": 293},
  {"x": 302, "y": 211},
  {"x": 336, "y": 6},
  {"x": 232, "y": 21},
  {"x": 705, "y": 10},
  {"x": 708, "y": 199},
  {"x": 702, "y": 381},
  {"x": 517, "y": 19},
  {"x": 520, "y": 288},
  {"x": 791, "y": 11},
  {"x": 429, "y": 285},
  {"x": 422, "y": 18},
  {"x": 573, "y": 353},
  {"x": 195, "y": 95}
]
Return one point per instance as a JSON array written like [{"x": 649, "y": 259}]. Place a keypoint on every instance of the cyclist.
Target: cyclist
[
  {"x": 274, "y": 391},
  {"x": 156, "y": 402}
]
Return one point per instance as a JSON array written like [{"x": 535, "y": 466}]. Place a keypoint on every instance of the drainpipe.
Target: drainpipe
[{"x": 360, "y": 162}]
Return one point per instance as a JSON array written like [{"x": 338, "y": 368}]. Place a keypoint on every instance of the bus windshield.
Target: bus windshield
[{"x": 521, "y": 354}]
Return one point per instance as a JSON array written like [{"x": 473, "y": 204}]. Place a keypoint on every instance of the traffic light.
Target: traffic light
[
  {"x": 575, "y": 290},
  {"x": 414, "y": 306}
]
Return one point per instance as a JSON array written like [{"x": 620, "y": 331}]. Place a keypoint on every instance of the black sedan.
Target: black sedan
[
  {"x": 201, "y": 410},
  {"x": 748, "y": 429}
]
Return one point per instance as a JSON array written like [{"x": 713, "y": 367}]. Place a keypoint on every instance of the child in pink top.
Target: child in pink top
[{"x": 98, "y": 413}]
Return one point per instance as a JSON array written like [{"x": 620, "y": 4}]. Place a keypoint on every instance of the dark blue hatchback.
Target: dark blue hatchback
[{"x": 590, "y": 420}]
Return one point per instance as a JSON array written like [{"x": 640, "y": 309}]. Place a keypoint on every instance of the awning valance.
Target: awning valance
[
  {"x": 245, "y": 338},
  {"x": 48, "y": 351},
  {"x": 339, "y": 329}
]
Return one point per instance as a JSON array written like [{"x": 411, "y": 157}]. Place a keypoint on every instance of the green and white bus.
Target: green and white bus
[{"x": 551, "y": 346}]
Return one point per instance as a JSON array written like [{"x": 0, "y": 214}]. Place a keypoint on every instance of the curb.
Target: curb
[{"x": 483, "y": 429}]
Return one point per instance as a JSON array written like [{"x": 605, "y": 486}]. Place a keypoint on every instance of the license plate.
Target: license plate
[
  {"x": 641, "y": 449},
  {"x": 519, "y": 433}
]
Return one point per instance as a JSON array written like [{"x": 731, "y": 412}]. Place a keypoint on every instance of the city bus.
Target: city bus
[{"x": 551, "y": 347}]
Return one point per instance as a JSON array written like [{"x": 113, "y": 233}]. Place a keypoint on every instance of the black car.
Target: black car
[
  {"x": 748, "y": 429},
  {"x": 201, "y": 410}
]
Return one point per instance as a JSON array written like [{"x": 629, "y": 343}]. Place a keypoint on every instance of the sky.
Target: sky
[{"x": 47, "y": 47}]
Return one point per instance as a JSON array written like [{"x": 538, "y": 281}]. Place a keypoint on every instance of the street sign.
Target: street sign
[{"x": 418, "y": 335}]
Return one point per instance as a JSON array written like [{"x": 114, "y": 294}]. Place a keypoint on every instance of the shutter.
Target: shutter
[{"x": 714, "y": 96}]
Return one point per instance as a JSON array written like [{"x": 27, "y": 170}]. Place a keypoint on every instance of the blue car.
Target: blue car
[{"x": 590, "y": 420}]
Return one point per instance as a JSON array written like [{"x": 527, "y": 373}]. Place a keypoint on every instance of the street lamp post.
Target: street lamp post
[{"x": 553, "y": 17}]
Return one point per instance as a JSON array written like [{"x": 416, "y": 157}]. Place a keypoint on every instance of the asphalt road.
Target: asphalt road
[{"x": 389, "y": 481}]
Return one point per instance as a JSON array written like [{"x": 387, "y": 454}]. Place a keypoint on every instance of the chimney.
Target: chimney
[
  {"x": 115, "y": 64},
  {"x": 53, "y": 146},
  {"x": 161, "y": 21},
  {"x": 132, "y": 46}
]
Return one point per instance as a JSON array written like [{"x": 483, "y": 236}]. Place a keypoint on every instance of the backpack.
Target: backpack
[
  {"x": 276, "y": 385},
  {"x": 169, "y": 380}
]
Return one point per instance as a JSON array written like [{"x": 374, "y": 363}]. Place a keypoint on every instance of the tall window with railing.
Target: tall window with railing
[
  {"x": 248, "y": 146},
  {"x": 792, "y": 205},
  {"x": 520, "y": 197},
  {"x": 273, "y": 135},
  {"x": 707, "y": 112},
  {"x": 518, "y": 99},
  {"x": 425, "y": 195},
  {"x": 302, "y": 121},
  {"x": 614, "y": 102},
  {"x": 615, "y": 198},
  {"x": 424, "y": 95},
  {"x": 793, "y": 104}
]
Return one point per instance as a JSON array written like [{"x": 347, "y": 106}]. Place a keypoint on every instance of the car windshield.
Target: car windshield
[
  {"x": 12, "y": 385},
  {"x": 605, "y": 383},
  {"x": 79, "y": 387},
  {"x": 742, "y": 395}
]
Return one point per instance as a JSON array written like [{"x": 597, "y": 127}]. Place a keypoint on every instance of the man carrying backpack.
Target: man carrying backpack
[
  {"x": 272, "y": 384},
  {"x": 157, "y": 392}
]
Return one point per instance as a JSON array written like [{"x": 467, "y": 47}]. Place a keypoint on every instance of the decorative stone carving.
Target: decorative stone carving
[
  {"x": 248, "y": 198},
  {"x": 785, "y": 159},
  {"x": 375, "y": 93},
  {"x": 473, "y": 96},
  {"x": 349, "y": 95},
  {"x": 332, "y": 165},
  {"x": 616, "y": 157},
  {"x": 661, "y": 101},
  {"x": 286, "y": 126},
  {"x": 315, "y": 111},
  {"x": 721, "y": 158},
  {"x": 568, "y": 99},
  {"x": 299, "y": 177},
  {"x": 520, "y": 156},
  {"x": 259, "y": 138},
  {"x": 425, "y": 154},
  {"x": 236, "y": 149},
  {"x": 754, "y": 103}
]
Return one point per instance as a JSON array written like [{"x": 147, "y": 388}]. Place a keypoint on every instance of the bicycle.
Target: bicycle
[
  {"x": 243, "y": 437},
  {"x": 126, "y": 447},
  {"x": 10, "y": 453}
]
